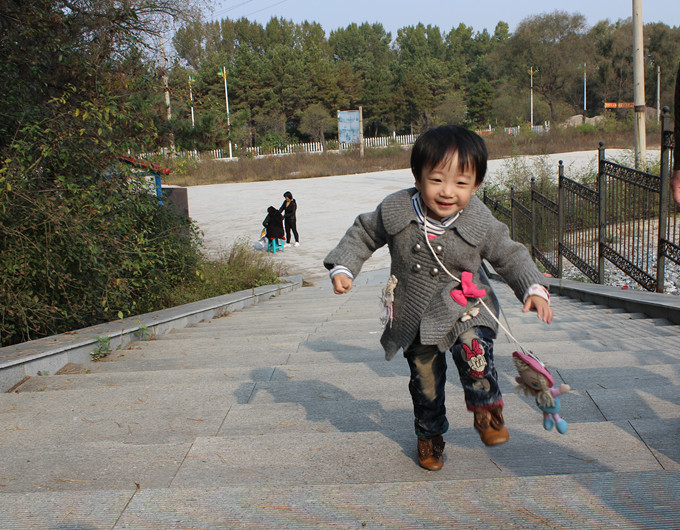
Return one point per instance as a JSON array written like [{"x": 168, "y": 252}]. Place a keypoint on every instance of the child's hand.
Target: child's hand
[
  {"x": 341, "y": 284},
  {"x": 542, "y": 307}
]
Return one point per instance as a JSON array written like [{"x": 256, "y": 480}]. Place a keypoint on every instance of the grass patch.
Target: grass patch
[
  {"x": 238, "y": 269},
  {"x": 186, "y": 172},
  {"x": 211, "y": 171}
]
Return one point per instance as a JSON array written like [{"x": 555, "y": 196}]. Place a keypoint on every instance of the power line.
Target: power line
[
  {"x": 265, "y": 8},
  {"x": 228, "y": 9}
]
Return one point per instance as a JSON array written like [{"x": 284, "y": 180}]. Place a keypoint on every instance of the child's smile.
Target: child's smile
[{"x": 446, "y": 189}]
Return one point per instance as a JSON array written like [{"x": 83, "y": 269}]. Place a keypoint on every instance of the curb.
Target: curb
[
  {"x": 49, "y": 354},
  {"x": 653, "y": 305}
]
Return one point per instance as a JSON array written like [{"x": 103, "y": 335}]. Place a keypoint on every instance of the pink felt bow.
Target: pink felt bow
[{"x": 467, "y": 289}]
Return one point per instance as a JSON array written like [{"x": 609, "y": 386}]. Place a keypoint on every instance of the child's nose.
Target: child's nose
[{"x": 448, "y": 189}]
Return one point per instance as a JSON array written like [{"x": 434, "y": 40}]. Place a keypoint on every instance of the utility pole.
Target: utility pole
[
  {"x": 585, "y": 95},
  {"x": 531, "y": 96},
  {"x": 223, "y": 73},
  {"x": 167, "y": 93},
  {"x": 361, "y": 131},
  {"x": 658, "y": 93},
  {"x": 639, "y": 87},
  {"x": 191, "y": 97}
]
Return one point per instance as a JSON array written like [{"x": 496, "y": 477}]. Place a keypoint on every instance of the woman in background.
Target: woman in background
[{"x": 289, "y": 209}]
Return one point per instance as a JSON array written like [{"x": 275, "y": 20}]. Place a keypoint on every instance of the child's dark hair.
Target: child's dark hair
[
  {"x": 438, "y": 144},
  {"x": 288, "y": 195}
]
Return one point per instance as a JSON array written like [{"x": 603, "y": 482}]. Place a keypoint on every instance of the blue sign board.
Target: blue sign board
[{"x": 349, "y": 128}]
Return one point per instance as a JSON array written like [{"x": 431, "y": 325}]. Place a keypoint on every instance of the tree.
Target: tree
[
  {"x": 452, "y": 110},
  {"x": 552, "y": 44},
  {"x": 614, "y": 47},
  {"x": 422, "y": 75},
  {"x": 365, "y": 52},
  {"x": 663, "y": 50},
  {"x": 480, "y": 103},
  {"x": 316, "y": 122},
  {"x": 81, "y": 239}
]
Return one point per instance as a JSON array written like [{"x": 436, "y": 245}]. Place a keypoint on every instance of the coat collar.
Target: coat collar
[{"x": 397, "y": 214}]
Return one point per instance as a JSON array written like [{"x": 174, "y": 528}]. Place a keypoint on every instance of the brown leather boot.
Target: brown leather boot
[
  {"x": 490, "y": 425},
  {"x": 431, "y": 452}
]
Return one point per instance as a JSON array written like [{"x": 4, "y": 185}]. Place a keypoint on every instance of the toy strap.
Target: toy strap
[{"x": 517, "y": 343}]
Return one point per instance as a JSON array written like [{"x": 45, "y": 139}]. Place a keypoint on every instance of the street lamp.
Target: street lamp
[
  {"x": 585, "y": 89},
  {"x": 531, "y": 97},
  {"x": 585, "y": 82},
  {"x": 223, "y": 73},
  {"x": 658, "y": 87},
  {"x": 191, "y": 97},
  {"x": 658, "y": 93}
]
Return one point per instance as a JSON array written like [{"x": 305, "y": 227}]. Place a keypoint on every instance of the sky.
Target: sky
[{"x": 447, "y": 14}]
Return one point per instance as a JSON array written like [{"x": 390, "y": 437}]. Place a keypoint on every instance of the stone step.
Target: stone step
[
  {"x": 81, "y": 377},
  {"x": 179, "y": 423},
  {"x": 217, "y": 363},
  {"x": 330, "y": 458},
  {"x": 233, "y": 423},
  {"x": 641, "y": 500}
]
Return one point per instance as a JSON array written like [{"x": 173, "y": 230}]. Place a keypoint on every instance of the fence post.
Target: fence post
[
  {"x": 664, "y": 198},
  {"x": 533, "y": 219},
  {"x": 600, "y": 214},
  {"x": 512, "y": 213},
  {"x": 560, "y": 218}
]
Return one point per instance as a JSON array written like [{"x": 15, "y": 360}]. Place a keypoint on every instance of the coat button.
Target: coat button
[
  {"x": 438, "y": 249},
  {"x": 417, "y": 247},
  {"x": 434, "y": 271},
  {"x": 416, "y": 267}
]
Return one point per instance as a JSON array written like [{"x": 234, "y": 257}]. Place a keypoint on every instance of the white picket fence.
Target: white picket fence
[
  {"x": 302, "y": 147},
  {"x": 317, "y": 147},
  {"x": 306, "y": 147},
  {"x": 538, "y": 129}
]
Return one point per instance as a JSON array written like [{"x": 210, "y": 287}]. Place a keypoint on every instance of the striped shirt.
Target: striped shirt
[{"x": 434, "y": 228}]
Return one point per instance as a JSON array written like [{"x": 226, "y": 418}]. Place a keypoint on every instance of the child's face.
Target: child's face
[{"x": 445, "y": 189}]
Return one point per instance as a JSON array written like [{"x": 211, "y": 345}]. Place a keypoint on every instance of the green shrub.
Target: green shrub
[
  {"x": 238, "y": 269},
  {"x": 83, "y": 251}
]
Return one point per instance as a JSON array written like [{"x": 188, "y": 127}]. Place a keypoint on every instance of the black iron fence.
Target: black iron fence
[{"x": 628, "y": 218}]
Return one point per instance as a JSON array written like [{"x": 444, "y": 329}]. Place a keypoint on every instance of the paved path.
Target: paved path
[
  {"x": 286, "y": 415},
  {"x": 327, "y": 207}
]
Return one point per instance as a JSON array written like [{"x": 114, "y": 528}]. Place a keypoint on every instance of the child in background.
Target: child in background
[
  {"x": 273, "y": 224},
  {"x": 438, "y": 233}
]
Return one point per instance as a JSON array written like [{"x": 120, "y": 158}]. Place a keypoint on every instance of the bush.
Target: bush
[
  {"x": 238, "y": 269},
  {"x": 80, "y": 254}
]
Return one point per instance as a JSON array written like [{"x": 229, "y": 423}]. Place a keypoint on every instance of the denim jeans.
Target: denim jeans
[{"x": 473, "y": 355}]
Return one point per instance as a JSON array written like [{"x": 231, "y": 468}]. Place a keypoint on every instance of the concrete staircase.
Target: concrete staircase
[{"x": 286, "y": 415}]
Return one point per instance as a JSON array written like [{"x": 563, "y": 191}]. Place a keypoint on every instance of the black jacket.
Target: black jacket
[
  {"x": 273, "y": 223},
  {"x": 289, "y": 211}
]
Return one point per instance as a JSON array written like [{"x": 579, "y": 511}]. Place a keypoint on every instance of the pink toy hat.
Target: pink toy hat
[{"x": 535, "y": 364}]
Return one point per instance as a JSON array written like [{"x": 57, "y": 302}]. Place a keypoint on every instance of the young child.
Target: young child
[
  {"x": 436, "y": 232},
  {"x": 273, "y": 224}
]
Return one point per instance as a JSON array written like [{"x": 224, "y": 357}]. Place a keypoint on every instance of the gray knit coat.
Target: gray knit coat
[{"x": 422, "y": 299}]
